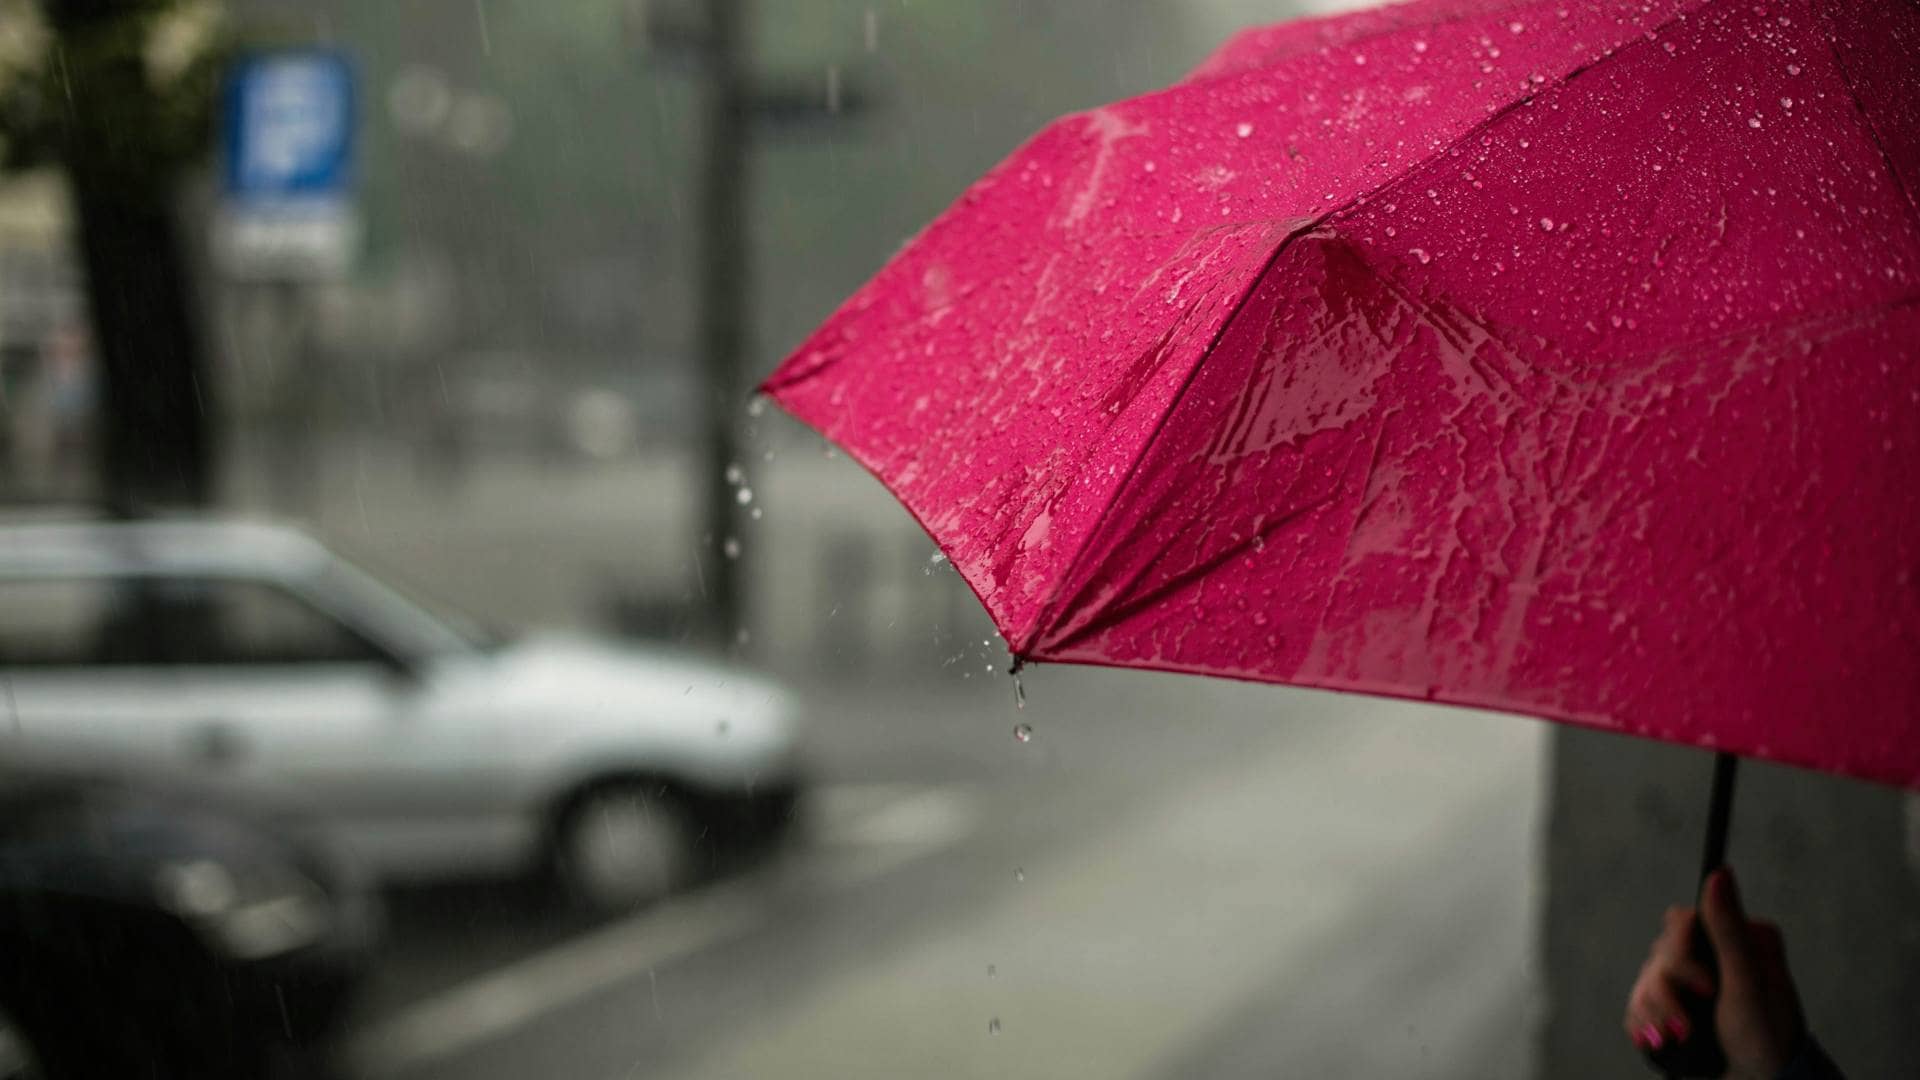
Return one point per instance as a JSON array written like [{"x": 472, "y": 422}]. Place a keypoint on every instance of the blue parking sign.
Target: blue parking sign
[
  {"x": 289, "y": 125},
  {"x": 288, "y": 166}
]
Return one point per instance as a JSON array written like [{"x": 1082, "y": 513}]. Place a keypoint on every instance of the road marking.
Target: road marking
[
  {"x": 862, "y": 832},
  {"x": 912, "y": 816}
]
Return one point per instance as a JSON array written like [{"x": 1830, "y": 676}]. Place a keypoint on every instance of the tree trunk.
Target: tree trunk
[
  {"x": 155, "y": 441},
  {"x": 154, "y": 434}
]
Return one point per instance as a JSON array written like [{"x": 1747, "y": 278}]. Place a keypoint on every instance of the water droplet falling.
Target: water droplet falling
[
  {"x": 1019, "y": 692},
  {"x": 1023, "y": 733},
  {"x": 731, "y": 548},
  {"x": 993, "y": 1026},
  {"x": 735, "y": 474},
  {"x": 992, "y": 971},
  {"x": 1019, "y": 874},
  {"x": 743, "y": 496}
]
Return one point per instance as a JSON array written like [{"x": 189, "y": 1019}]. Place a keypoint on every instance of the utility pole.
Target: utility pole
[
  {"x": 723, "y": 303},
  {"x": 711, "y": 36}
]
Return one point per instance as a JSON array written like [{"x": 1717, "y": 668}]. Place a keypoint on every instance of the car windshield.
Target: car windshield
[{"x": 418, "y": 625}]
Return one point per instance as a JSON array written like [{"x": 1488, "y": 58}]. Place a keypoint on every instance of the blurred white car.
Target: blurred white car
[{"x": 424, "y": 748}]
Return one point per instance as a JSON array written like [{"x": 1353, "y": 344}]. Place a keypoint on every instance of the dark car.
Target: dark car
[{"x": 152, "y": 929}]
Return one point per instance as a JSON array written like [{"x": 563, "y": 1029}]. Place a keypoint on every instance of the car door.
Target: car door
[
  {"x": 273, "y": 687},
  {"x": 229, "y": 675},
  {"x": 321, "y": 707},
  {"x": 79, "y": 678}
]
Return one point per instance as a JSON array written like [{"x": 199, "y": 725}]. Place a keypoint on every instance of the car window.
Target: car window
[
  {"x": 214, "y": 621},
  {"x": 124, "y": 621},
  {"x": 53, "y": 622}
]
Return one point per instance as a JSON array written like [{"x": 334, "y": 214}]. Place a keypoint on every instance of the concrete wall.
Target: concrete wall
[{"x": 1832, "y": 861}]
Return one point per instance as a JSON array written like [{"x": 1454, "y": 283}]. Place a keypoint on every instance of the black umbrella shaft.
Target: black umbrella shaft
[
  {"x": 1701, "y": 1054},
  {"x": 1719, "y": 815}
]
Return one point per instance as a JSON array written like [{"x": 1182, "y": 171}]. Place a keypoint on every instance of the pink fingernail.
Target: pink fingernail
[
  {"x": 1652, "y": 1036},
  {"x": 1677, "y": 1028}
]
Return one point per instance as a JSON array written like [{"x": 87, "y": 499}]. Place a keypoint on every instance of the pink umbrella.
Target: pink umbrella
[
  {"x": 1561, "y": 358},
  {"x": 1557, "y": 358}
]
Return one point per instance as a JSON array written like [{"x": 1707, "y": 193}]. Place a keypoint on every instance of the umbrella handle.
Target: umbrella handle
[
  {"x": 1701, "y": 1054},
  {"x": 1719, "y": 815}
]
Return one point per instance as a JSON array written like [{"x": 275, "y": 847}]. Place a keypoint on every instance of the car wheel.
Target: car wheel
[{"x": 623, "y": 845}]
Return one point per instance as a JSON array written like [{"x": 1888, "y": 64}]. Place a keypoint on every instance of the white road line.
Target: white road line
[
  {"x": 863, "y": 832},
  {"x": 936, "y": 816}
]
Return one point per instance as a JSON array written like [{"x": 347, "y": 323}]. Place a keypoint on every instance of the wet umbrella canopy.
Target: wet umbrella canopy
[{"x": 1561, "y": 358}]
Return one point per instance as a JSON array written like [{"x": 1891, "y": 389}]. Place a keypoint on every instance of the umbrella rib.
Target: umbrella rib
[
  {"x": 1873, "y": 133},
  {"x": 1050, "y": 611},
  {"x": 1421, "y": 167},
  {"x": 1070, "y": 636}
]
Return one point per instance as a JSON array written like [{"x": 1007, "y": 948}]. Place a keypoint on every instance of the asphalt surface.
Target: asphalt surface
[{"x": 1173, "y": 878}]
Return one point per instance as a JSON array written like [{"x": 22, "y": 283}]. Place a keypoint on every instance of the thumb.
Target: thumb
[{"x": 1727, "y": 927}]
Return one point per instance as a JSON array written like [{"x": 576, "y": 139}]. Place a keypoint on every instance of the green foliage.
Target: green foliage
[{"x": 126, "y": 90}]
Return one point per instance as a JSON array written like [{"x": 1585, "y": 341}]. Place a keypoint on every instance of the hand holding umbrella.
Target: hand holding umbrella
[{"x": 1754, "y": 1008}]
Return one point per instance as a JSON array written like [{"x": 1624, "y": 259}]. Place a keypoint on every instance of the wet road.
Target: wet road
[{"x": 1174, "y": 878}]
